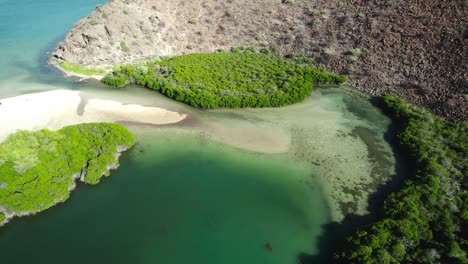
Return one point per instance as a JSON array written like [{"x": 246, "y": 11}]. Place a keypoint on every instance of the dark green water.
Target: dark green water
[
  {"x": 178, "y": 199},
  {"x": 181, "y": 196}
]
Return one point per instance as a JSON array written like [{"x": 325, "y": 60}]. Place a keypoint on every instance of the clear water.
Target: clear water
[
  {"x": 29, "y": 30},
  {"x": 176, "y": 199},
  {"x": 215, "y": 188}
]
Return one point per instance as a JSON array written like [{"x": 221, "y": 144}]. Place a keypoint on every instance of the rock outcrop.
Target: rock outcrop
[
  {"x": 126, "y": 31},
  {"x": 414, "y": 49}
]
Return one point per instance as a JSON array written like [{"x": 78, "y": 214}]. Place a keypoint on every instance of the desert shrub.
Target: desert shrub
[
  {"x": 124, "y": 47},
  {"x": 191, "y": 46},
  {"x": 193, "y": 20},
  {"x": 270, "y": 50},
  {"x": 356, "y": 52}
]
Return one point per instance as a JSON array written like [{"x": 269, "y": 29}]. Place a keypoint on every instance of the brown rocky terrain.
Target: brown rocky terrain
[{"x": 415, "y": 49}]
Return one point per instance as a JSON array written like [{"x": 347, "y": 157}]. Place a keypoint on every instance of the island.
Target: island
[{"x": 39, "y": 169}]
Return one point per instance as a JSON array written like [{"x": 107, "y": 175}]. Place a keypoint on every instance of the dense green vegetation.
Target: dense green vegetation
[
  {"x": 80, "y": 69},
  {"x": 427, "y": 220},
  {"x": 37, "y": 167},
  {"x": 237, "y": 79}
]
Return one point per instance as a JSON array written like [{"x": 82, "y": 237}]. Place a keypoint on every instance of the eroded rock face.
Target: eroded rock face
[
  {"x": 414, "y": 49},
  {"x": 124, "y": 31}
]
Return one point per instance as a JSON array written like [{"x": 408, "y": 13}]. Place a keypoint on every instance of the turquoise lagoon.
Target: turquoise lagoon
[{"x": 216, "y": 188}]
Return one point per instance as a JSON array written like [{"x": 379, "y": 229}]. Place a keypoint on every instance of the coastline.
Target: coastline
[
  {"x": 70, "y": 74},
  {"x": 79, "y": 176},
  {"x": 59, "y": 108},
  {"x": 390, "y": 58}
]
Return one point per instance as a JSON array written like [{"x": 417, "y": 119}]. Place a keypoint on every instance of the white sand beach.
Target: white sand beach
[{"x": 59, "y": 108}]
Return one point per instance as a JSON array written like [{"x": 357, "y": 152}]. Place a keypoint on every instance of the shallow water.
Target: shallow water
[
  {"x": 30, "y": 29},
  {"x": 336, "y": 130},
  {"x": 214, "y": 188},
  {"x": 346, "y": 148},
  {"x": 176, "y": 199}
]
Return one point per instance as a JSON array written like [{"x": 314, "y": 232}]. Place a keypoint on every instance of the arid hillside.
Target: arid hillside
[{"x": 414, "y": 49}]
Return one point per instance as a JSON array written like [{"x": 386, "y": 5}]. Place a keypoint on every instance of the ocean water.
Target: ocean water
[
  {"x": 29, "y": 30},
  {"x": 216, "y": 188}
]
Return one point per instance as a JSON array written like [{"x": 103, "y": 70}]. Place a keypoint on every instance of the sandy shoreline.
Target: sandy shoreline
[
  {"x": 59, "y": 108},
  {"x": 53, "y": 62}
]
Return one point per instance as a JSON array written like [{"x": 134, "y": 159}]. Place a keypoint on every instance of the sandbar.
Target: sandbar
[{"x": 59, "y": 108}]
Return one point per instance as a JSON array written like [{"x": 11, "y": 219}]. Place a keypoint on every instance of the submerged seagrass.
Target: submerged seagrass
[
  {"x": 237, "y": 79},
  {"x": 425, "y": 221},
  {"x": 38, "y": 168}
]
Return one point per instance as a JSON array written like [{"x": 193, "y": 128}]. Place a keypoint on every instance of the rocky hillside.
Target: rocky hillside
[
  {"x": 414, "y": 49},
  {"x": 131, "y": 30}
]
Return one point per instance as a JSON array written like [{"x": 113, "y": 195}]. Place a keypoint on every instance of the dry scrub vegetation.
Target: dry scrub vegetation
[{"x": 413, "y": 49}]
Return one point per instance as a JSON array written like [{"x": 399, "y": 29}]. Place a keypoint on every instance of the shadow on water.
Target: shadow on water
[{"x": 335, "y": 233}]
